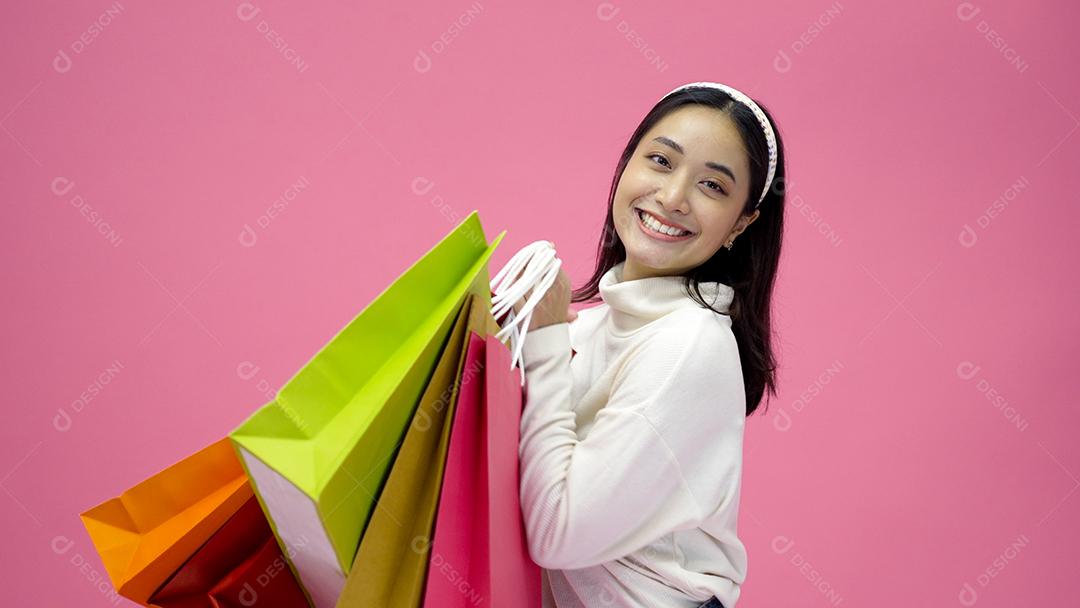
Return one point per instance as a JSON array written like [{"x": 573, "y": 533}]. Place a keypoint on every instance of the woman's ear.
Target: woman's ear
[
  {"x": 742, "y": 223},
  {"x": 753, "y": 216}
]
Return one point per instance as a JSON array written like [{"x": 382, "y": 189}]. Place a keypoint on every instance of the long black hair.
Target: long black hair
[{"x": 749, "y": 267}]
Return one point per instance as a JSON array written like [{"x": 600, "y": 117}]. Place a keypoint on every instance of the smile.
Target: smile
[{"x": 654, "y": 229}]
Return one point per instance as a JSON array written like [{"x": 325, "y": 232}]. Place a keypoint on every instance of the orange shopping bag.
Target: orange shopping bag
[{"x": 150, "y": 530}]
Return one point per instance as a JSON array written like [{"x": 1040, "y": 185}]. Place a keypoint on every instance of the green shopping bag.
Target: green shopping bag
[
  {"x": 391, "y": 564},
  {"x": 318, "y": 454}
]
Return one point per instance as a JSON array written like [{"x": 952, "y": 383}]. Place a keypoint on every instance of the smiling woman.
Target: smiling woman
[
  {"x": 704, "y": 161},
  {"x": 671, "y": 181},
  {"x": 632, "y": 431}
]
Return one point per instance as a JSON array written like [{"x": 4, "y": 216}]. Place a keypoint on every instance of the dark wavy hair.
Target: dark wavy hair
[{"x": 749, "y": 267}]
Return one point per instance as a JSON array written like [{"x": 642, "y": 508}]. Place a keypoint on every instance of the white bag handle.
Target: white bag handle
[{"x": 541, "y": 268}]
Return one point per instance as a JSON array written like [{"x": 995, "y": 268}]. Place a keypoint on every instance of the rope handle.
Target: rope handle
[{"x": 538, "y": 267}]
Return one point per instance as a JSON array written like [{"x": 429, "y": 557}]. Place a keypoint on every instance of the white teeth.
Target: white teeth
[{"x": 656, "y": 226}]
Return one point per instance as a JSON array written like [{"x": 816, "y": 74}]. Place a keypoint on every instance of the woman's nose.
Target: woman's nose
[{"x": 672, "y": 195}]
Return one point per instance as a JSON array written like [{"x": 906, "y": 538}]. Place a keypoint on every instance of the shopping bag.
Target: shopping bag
[
  {"x": 150, "y": 530},
  {"x": 391, "y": 563},
  {"x": 479, "y": 555},
  {"x": 514, "y": 576},
  {"x": 241, "y": 565},
  {"x": 318, "y": 454},
  {"x": 260, "y": 581}
]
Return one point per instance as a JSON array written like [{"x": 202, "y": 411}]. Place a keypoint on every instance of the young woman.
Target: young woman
[{"x": 632, "y": 431}]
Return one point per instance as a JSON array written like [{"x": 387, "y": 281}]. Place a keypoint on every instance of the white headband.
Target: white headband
[{"x": 741, "y": 97}]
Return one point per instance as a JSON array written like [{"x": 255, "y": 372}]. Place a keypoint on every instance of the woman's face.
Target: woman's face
[{"x": 689, "y": 171}]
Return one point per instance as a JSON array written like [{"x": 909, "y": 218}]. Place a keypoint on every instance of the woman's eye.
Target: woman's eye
[
  {"x": 717, "y": 188},
  {"x": 657, "y": 156},
  {"x": 712, "y": 185}
]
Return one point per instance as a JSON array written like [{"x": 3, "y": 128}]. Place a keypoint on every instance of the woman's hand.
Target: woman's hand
[{"x": 554, "y": 307}]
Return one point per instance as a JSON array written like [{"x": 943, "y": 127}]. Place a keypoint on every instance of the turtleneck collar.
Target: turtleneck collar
[{"x": 635, "y": 303}]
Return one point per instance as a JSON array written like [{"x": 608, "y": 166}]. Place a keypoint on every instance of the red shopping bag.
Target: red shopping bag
[
  {"x": 479, "y": 555},
  {"x": 241, "y": 565}
]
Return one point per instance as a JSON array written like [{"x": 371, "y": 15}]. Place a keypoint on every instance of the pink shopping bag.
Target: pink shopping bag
[{"x": 479, "y": 555}]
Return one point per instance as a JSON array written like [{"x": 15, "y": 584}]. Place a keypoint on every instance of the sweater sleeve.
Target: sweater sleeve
[{"x": 625, "y": 485}]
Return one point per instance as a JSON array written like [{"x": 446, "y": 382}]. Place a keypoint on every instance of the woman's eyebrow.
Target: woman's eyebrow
[{"x": 714, "y": 166}]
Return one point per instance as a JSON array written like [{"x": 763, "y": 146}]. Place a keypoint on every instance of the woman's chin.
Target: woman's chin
[
  {"x": 652, "y": 252},
  {"x": 649, "y": 262}
]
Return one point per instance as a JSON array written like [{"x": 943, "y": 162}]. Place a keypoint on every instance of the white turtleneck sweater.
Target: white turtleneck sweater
[{"x": 631, "y": 449}]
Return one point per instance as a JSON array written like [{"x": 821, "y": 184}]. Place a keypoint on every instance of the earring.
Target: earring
[{"x": 730, "y": 244}]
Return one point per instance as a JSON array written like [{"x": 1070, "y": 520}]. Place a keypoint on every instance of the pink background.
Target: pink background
[{"x": 922, "y": 450}]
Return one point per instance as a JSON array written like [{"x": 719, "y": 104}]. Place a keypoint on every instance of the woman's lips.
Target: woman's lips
[
  {"x": 663, "y": 220},
  {"x": 667, "y": 238}
]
